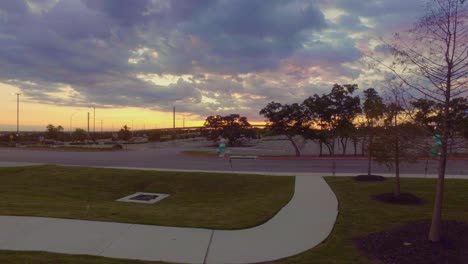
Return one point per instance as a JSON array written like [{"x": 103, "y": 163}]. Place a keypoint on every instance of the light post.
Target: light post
[
  {"x": 94, "y": 122},
  {"x": 17, "y": 114},
  {"x": 71, "y": 122}
]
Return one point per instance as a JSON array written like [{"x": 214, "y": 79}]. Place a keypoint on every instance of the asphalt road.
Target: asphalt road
[{"x": 170, "y": 157}]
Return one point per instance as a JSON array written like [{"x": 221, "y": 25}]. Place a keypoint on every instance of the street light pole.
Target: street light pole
[
  {"x": 71, "y": 122},
  {"x": 173, "y": 117},
  {"x": 17, "y": 114}
]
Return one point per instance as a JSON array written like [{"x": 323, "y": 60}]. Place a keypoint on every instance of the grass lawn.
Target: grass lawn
[
  {"x": 205, "y": 200},
  {"x": 459, "y": 155},
  {"x": 70, "y": 148},
  {"x": 27, "y": 257},
  {"x": 359, "y": 215}
]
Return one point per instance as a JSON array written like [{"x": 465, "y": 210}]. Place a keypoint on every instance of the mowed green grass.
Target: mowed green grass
[
  {"x": 204, "y": 200},
  {"x": 69, "y": 148},
  {"x": 27, "y": 257},
  {"x": 359, "y": 215}
]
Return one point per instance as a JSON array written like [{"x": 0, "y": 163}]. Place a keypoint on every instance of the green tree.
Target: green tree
[
  {"x": 334, "y": 114},
  {"x": 373, "y": 109},
  {"x": 397, "y": 142},
  {"x": 53, "y": 132},
  {"x": 79, "y": 134},
  {"x": 320, "y": 113},
  {"x": 289, "y": 120},
  {"x": 459, "y": 122},
  {"x": 155, "y": 135},
  {"x": 425, "y": 113},
  {"x": 430, "y": 114},
  {"x": 233, "y": 127},
  {"x": 125, "y": 133}
]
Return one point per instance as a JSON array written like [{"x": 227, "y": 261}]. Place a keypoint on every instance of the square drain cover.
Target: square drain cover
[{"x": 143, "y": 197}]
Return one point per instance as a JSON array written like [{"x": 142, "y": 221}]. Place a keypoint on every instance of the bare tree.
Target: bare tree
[
  {"x": 397, "y": 141},
  {"x": 432, "y": 59}
]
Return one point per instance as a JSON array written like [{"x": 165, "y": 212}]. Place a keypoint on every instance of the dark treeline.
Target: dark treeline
[{"x": 340, "y": 117}]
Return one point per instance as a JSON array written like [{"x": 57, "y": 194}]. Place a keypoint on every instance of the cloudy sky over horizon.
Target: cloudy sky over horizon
[{"x": 206, "y": 56}]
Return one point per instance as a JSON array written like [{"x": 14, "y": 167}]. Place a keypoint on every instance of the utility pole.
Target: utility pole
[
  {"x": 101, "y": 128},
  {"x": 88, "y": 123},
  {"x": 17, "y": 114},
  {"x": 183, "y": 121}
]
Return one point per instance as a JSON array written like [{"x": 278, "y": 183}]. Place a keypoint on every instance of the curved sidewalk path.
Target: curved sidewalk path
[{"x": 302, "y": 224}]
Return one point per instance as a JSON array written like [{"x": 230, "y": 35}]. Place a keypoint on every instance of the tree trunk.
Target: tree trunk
[
  {"x": 298, "y": 153},
  {"x": 333, "y": 165},
  {"x": 320, "y": 148},
  {"x": 369, "y": 154},
  {"x": 355, "y": 146},
  {"x": 363, "y": 144},
  {"x": 329, "y": 147},
  {"x": 451, "y": 143},
  {"x": 436, "y": 224},
  {"x": 435, "y": 232},
  {"x": 397, "y": 160},
  {"x": 344, "y": 143},
  {"x": 332, "y": 154}
]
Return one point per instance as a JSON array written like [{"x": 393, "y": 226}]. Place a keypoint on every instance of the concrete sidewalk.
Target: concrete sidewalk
[{"x": 302, "y": 224}]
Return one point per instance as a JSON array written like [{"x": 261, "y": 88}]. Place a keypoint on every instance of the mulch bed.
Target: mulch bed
[
  {"x": 409, "y": 244},
  {"x": 403, "y": 198},
  {"x": 369, "y": 178}
]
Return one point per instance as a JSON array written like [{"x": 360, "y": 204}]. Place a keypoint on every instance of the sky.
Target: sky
[{"x": 134, "y": 60}]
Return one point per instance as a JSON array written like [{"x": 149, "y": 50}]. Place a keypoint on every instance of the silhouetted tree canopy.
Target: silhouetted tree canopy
[
  {"x": 232, "y": 127},
  {"x": 289, "y": 120},
  {"x": 125, "y": 133},
  {"x": 54, "y": 132}
]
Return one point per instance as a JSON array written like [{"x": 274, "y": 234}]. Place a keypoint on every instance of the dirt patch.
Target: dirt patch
[
  {"x": 409, "y": 244},
  {"x": 403, "y": 198},
  {"x": 369, "y": 178}
]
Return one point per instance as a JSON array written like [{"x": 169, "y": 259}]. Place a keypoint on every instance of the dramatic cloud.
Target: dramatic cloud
[{"x": 221, "y": 55}]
